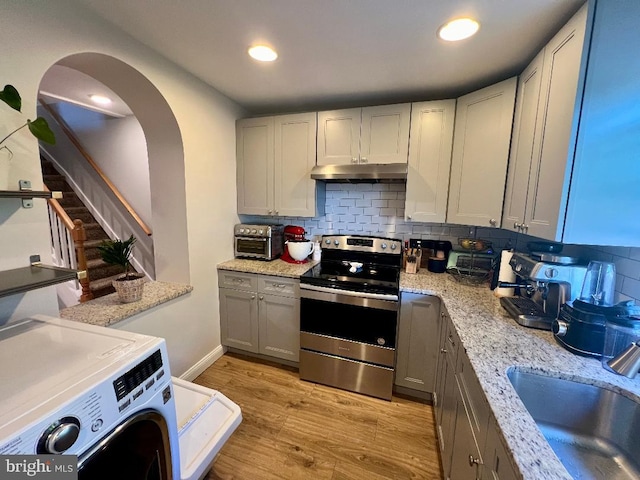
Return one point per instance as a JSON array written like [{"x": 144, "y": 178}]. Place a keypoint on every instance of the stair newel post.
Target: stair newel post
[{"x": 79, "y": 237}]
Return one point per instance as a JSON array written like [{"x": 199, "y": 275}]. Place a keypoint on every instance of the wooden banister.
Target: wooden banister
[
  {"x": 74, "y": 140},
  {"x": 79, "y": 236}
]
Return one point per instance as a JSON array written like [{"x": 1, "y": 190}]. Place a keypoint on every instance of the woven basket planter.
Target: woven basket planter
[{"x": 129, "y": 290}]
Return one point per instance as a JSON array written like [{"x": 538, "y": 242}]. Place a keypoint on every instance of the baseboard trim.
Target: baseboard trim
[{"x": 203, "y": 364}]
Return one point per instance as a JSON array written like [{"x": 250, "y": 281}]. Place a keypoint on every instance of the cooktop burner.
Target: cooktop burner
[{"x": 361, "y": 264}]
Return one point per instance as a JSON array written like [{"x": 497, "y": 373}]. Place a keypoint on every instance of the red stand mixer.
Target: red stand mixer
[{"x": 293, "y": 234}]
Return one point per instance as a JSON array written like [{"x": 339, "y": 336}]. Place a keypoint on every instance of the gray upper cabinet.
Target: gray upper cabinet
[
  {"x": 604, "y": 203},
  {"x": 275, "y": 156},
  {"x": 418, "y": 342},
  {"x": 554, "y": 129},
  {"x": 520, "y": 158},
  {"x": 482, "y": 136},
  {"x": 377, "y": 134},
  {"x": 430, "y": 145}
]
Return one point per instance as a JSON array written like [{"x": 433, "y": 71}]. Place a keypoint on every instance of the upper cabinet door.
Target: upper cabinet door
[
  {"x": 556, "y": 129},
  {"x": 429, "y": 160},
  {"x": 255, "y": 161},
  {"x": 384, "y": 136},
  {"x": 339, "y": 137},
  {"x": 524, "y": 128},
  {"x": 480, "y": 152},
  {"x": 295, "y": 156},
  {"x": 604, "y": 205}
]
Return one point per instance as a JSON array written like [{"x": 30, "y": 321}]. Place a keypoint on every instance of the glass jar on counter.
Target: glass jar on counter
[{"x": 620, "y": 332}]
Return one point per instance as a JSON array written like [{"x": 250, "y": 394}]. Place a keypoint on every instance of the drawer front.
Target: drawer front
[
  {"x": 283, "y": 286},
  {"x": 237, "y": 280},
  {"x": 474, "y": 398}
]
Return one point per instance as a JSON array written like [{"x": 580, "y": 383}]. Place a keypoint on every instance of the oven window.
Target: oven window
[
  {"x": 256, "y": 246},
  {"x": 350, "y": 322}
]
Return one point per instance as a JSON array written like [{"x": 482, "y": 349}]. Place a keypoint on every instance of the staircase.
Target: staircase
[{"x": 100, "y": 273}]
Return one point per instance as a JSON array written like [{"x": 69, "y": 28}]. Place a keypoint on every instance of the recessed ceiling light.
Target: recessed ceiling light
[
  {"x": 263, "y": 53},
  {"x": 458, "y": 29},
  {"x": 100, "y": 99}
]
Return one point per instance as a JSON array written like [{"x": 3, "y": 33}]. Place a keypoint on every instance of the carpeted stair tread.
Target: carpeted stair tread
[{"x": 100, "y": 273}]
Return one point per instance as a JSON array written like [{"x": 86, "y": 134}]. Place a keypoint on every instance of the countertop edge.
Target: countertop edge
[{"x": 108, "y": 310}]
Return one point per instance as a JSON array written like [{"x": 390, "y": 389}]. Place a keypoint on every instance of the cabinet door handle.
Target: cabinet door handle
[
  {"x": 354, "y": 159},
  {"x": 261, "y": 297},
  {"x": 443, "y": 350},
  {"x": 517, "y": 225},
  {"x": 450, "y": 338},
  {"x": 278, "y": 285},
  {"x": 270, "y": 211},
  {"x": 364, "y": 160},
  {"x": 493, "y": 222},
  {"x": 525, "y": 228},
  {"x": 474, "y": 461},
  {"x": 276, "y": 212},
  {"x": 408, "y": 217},
  {"x": 253, "y": 297}
]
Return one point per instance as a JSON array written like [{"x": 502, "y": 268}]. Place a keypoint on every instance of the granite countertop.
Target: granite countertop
[
  {"x": 107, "y": 310},
  {"x": 494, "y": 343},
  {"x": 276, "y": 267}
]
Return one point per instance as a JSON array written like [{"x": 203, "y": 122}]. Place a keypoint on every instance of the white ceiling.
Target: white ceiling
[{"x": 336, "y": 53}]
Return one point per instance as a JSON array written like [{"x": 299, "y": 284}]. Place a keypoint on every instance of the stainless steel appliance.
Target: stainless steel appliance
[
  {"x": 349, "y": 314},
  {"x": 259, "y": 242},
  {"x": 544, "y": 282}
]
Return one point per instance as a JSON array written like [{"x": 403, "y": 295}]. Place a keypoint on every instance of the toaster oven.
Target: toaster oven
[{"x": 258, "y": 242}]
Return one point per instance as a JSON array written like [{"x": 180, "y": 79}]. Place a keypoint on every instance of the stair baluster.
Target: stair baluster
[{"x": 79, "y": 237}]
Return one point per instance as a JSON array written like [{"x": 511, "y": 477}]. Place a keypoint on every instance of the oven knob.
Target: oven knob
[
  {"x": 381, "y": 341},
  {"x": 551, "y": 272},
  {"x": 383, "y": 246},
  {"x": 60, "y": 436},
  {"x": 518, "y": 267},
  {"x": 242, "y": 230},
  {"x": 336, "y": 242},
  {"x": 260, "y": 232},
  {"x": 393, "y": 246},
  {"x": 254, "y": 231},
  {"x": 327, "y": 241}
]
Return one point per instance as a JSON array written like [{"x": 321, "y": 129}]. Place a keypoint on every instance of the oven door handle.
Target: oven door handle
[{"x": 364, "y": 299}]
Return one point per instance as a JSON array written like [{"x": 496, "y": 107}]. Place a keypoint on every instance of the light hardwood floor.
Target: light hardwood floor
[{"x": 292, "y": 429}]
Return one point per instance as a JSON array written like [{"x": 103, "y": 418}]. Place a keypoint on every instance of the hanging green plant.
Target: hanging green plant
[{"x": 39, "y": 127}]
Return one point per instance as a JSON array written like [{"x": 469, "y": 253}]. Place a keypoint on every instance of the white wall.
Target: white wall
[
  {"x": 119, "y": 147},
  {"x": 38, "y": 34}
]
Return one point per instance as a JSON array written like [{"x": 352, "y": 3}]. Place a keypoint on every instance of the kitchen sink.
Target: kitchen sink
[{"x": 595, "y": 432}]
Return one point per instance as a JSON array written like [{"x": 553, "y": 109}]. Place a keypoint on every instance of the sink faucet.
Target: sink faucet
[{"x": 627, "y": 362}]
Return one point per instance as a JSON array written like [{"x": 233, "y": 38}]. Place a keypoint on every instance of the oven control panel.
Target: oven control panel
[{"x": 362, "y": 244}]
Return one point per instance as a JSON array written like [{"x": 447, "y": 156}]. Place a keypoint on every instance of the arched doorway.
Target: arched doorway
[{"x": 165, "y": 153}]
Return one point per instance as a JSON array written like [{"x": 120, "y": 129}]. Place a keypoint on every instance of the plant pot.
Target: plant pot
[{"x": 129, "y": 289}]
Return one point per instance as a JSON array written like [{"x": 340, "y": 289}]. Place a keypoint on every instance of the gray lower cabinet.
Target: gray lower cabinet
[
  {"x": 497, "y": 464},
  {"x": 469, "y": 441},
  {"x": 260, "y": 314},
  {"x": 418, "y": 341}
]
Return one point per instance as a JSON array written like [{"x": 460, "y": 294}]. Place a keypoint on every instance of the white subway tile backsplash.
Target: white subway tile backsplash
[
  {"x": 631, "y": 288},
  {"x": 389, "y": 212},
  {"x": 627, "y": 267},
  {"x": 378, "y": 209},
  {"x": 374, "y": 195}
]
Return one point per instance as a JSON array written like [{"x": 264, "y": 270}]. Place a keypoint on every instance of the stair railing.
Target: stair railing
[
  {"x": 67, "y": 242},
  {"x": 76, "y": 143}
]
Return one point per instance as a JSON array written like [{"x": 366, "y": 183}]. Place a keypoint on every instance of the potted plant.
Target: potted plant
[
  {"x": 117, "y": 252},
  {"x": 39, "y": 128}
]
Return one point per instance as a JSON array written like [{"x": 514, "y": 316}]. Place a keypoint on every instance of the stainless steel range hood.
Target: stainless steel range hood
[{"x": 361, "y": 173}]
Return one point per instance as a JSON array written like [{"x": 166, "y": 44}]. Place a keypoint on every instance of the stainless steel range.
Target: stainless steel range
[{"x": 348, "y": 314}]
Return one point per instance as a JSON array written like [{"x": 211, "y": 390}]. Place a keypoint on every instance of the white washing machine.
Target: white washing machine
[{"x": 106, "y": 396}]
